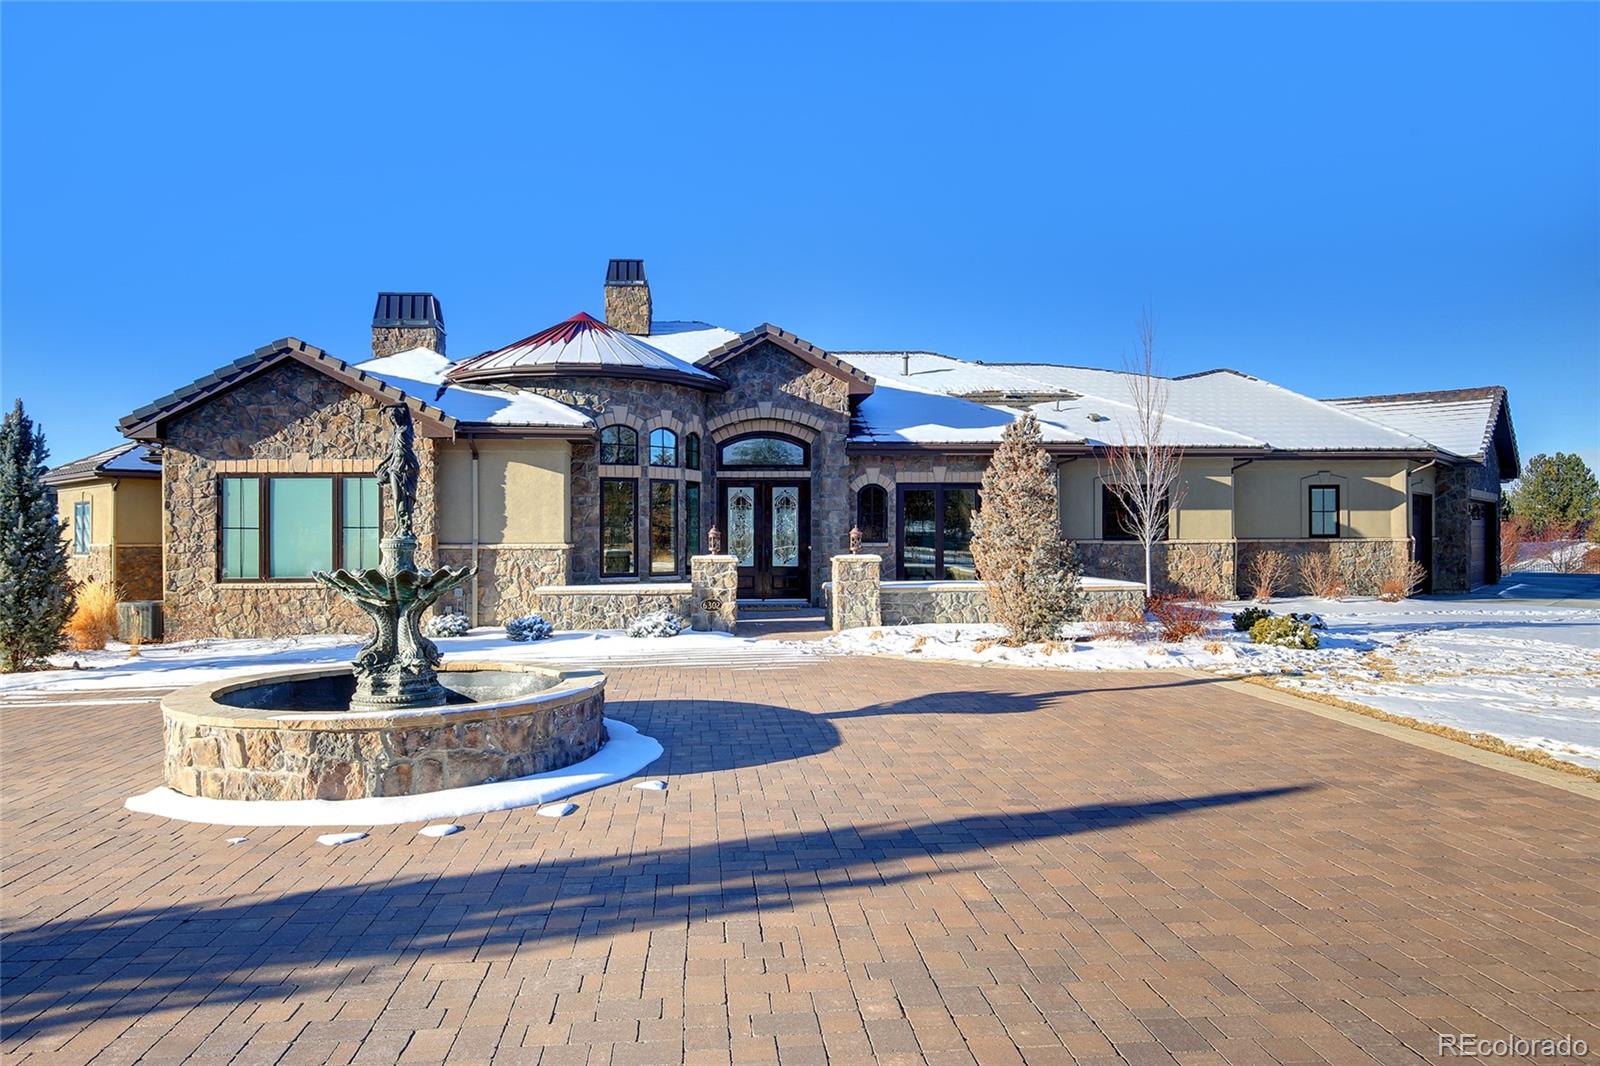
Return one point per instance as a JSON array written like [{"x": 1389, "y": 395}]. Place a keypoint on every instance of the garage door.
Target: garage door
[{"x": 1476, "y": 569}]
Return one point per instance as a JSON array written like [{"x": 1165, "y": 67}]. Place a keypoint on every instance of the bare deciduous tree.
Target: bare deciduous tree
[{"x": 1143, "y": 469}]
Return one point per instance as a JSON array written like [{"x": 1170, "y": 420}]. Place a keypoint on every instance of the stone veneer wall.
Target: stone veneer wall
[
  {"x": 570, "y": 607},
  {"x": 855, "y": 594},
  {"x": 95, "y": 565},
  {"x": 289, "y": 419},
  {"x": 406, "y": 756},
  {"x": 508, "y": 579},
  {"x": 768, "y": 383},
  {"x": 1184, "y": 567},
  {"x": 1363, "y": 563},
  {"x": 1453, "y": 487},
  {"x": 387, "y": 340},
  {"x": 714, "y": 583},
  {"x": 643, "y": 406},
  {"x": 139, "y": 571}
]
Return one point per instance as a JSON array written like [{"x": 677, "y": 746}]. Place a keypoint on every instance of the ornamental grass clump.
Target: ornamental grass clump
[
  {"x": 94, "y": 620},
  {"x": 528, "y": 627},
  {"x": 1283, "y": 633},
  {"x": 1031, "y": 573}
]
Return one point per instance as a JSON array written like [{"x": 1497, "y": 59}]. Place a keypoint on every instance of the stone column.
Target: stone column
[
  {"x": 714, "y": 587},
  {"x": 854, "y": 601}
]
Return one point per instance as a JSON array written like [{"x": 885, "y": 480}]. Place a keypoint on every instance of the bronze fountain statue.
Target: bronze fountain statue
[{"x": 397, "y": 666}]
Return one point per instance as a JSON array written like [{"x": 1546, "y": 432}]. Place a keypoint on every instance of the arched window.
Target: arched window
[
  {"x": 763, "y": 452},
  {"x": 663, "y": 447},
  {"x": 619, "y": 445},
  {"x": 872, "y": 514},
  {"x": 691, "y": 451}
]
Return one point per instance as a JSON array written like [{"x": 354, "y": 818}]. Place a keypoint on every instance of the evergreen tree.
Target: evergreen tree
[
  {"x": 36, "y": 594},
  {"x": 1557, "y": 493},
  {"x": 1032, "y": 573}
]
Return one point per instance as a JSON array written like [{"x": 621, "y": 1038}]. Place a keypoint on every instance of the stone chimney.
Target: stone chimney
[
  {"x": 627, "y": 297},
  {"x": 406, "y": 320}
]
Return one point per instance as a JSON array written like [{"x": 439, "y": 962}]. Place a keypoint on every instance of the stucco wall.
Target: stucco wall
[
  {"x": 1272, "y": 497},
  {"x": 522, "y": 492},
  {"x": 138, "y": 511},
  {"x": 289, "y": 419}
]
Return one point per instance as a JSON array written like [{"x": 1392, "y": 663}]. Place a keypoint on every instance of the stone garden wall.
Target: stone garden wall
[
  {"x": 291, "y": 420},
  {"x": 570, "y": 607},
  {"x": 1182, "y": 567},
  {"x": 856, "y": 597}
]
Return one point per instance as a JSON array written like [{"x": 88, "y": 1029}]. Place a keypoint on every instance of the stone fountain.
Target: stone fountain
[{"x": 396, "y": 721}]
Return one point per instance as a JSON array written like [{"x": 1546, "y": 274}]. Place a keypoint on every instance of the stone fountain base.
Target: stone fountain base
[{"x": 287, "y": 736}]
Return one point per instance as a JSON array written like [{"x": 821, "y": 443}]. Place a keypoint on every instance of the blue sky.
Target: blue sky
[{"x": 1343, "y": 198}]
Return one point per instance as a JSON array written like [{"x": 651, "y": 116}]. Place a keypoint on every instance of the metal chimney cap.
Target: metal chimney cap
[
  {"x": 408, "y": 309},
  {"x": 625, "y": 272}
]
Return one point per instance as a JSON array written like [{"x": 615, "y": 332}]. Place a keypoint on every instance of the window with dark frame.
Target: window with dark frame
[
  {"x": 691, "y": 517},
  {"x": 619, "y": 527},
  {"x": 872, "y": 514},
  {"x": 691, "y": 451},
  {"x": 1323, "y": 501},
  {"x": 82, "y": 526},
  {"x": 619, "y": 446},
  {"x": 935, "y": 532},
  {"x": 763, "y": 452},
  {"x": 663, "y": 447},
  {"x": 1117, "y": 520},
  {"x": 282, "y": 528},
  {"x": 663, "y": 527}
]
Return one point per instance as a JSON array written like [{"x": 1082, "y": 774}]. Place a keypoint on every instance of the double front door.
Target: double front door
[{"x": 767, "y": 525}]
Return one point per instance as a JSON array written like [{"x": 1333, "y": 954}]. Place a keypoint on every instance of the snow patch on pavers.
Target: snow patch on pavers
[{"x": 626, "y": 753}]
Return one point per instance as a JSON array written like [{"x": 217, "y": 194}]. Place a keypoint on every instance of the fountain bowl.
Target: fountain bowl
[{"x": 290, "y": 735}]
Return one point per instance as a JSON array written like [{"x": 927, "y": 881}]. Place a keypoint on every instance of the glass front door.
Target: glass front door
[{"x": 768, "y": 529}]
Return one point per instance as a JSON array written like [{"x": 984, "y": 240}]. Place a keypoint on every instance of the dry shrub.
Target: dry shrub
[
  {"x": 1591, "y": 561},
  {"x": 1213, "y": 647},
  {"x": 1320, "y": 575},
  {"x": 984, "y": 645},
  {"x": 1116, "y": 623},
  {"x": 1513, "y": 531},
  {"x": 1402, "y": 581},
  {"x": 95, "y": 620},
  {"x": 920, "y": 643},
  {"x": 1177, "y": 619},
  {"x": 1269, "y": 572}
]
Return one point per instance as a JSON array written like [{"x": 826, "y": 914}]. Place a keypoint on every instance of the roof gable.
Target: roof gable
[
  {"x": 859, "y": 382},
  {"x": 145, "y": 423},
  {"x": 1463, "y": 422}
]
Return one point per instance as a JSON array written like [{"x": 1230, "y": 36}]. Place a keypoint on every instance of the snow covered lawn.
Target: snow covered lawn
[
  {"x": 161, "y": 666},
  {"x": 1527, "y": 674}
]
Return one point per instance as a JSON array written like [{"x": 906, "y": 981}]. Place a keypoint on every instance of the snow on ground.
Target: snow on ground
[
  {"x": 161, "y": 666},
  {"x": 1528, "y": 674},
  {"x": 625, "y": 753}
]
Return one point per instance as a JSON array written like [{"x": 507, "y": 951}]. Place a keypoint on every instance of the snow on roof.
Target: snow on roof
[
  {"x": 903, "y": 414},
  {"x": 1217, "y": 408},
  {"x": 421, "y": 373},
  {"x": 580, "y": 343},
  {"x": 1462, "y": 426},
  {"x": 130, "y": 457},
  {"x": 689, "y": 341}
]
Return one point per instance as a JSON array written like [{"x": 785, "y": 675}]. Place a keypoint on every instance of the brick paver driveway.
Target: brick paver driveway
[{"x": 857, "y": 860}]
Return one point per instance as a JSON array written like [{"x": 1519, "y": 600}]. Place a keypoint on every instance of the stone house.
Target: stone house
[{"x": 598, "y": 455}]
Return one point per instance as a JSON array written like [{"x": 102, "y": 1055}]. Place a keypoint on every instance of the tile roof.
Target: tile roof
[
  {"x": 129, "y": 459},
  {"x": 1461, "y": 421}
]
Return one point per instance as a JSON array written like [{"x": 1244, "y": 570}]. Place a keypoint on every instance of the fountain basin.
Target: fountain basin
[{"x": 289, "y": 736}]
